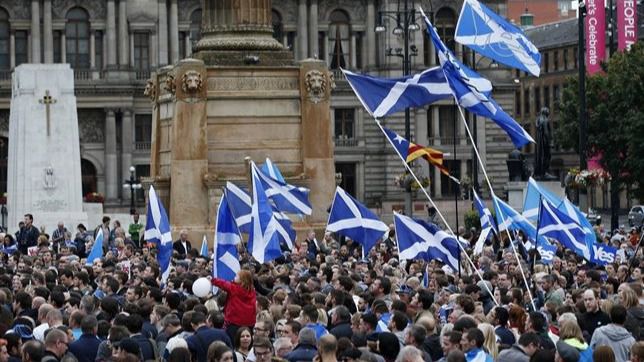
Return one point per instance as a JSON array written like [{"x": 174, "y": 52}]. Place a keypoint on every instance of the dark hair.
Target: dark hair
[
  {"x": 538, "y": 321},
  {"x": 180, "y": 354},
  {"x": 30, "y": 217},
  {"x": 400, "y": 320},
  {"x": 475, "y": 334},
  {"x": 216, "y": 318},
  {"x": 173, "y": 300},
  {"x": 418, "y": 334},
  {"x": 35, "y": 349},
  {"x": 89, "y": 324},
  {"x": 385, "y": 283},
  {"x": 530, "y": 338},
  {"x": 455, "y": 356},
  {"x": 618, "y": 314},
  {"x": 295, "y": 326},
  {"x": 543, "y": 355},
  {"x": 198, "y": 318},
  {"x": 454, "y": 337},
  {"x": 311, "y": 312},
  {"x": 464, "y": 323},
  {"x": 134, "y": 323},
  {"x": 502, "y": 315},
  {"x": 23, "y": 299},
  {"x": 425, "y": 298},
  {"x": 238, "y": 334}
]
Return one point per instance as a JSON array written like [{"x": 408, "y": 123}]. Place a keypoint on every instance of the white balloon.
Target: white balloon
[{"x": 201, "y": 287}]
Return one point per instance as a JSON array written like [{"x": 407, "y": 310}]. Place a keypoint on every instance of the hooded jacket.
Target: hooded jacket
[
  {"x": 617, "y": 338},
  {"x": 635, "y": 322},
  {"x": 585, "y": 352}
]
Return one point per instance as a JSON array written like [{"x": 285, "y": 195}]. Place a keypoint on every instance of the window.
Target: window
[
  {"x": 22, "y": 50},
  {"x": 278, "y": 26},
  {"x": 77, "y": 38},
  {"x": 556, "y": 61},
  {"x": 98, "y": 49},
  {"x": 348, "y": 178},
  {"x": 195, "y": 27},
  {"x": 565, "y": 59},
  {"x": 141, "y": 51},
  {"x": 517, "y": 104},
  {"x": 58, "y": 58},
  {"x": 142, "y": 128},
  {"x": 448, "y": 187},
  {"x": 546, "y": 62},
  {"x": 556, "y": 95},
  {"x": 339, "y": 39},
  {"x": 546, "y": 97},
  {"x": 430, "y": 117},
  {"x": 526, "y": 102},
  {"x": 344, "y": 123},
  {"x": 537, "y": 99},
  {"x": 446, "y": 117},
  {"x": 445, "y": 24},
  {"x": 182, "y": 45},
  {"x": 575, "y": 50},
  {"x": 290, "y": 40},
  {"x": 359, "y": 51},
  {"x": 5, "y": 58}
]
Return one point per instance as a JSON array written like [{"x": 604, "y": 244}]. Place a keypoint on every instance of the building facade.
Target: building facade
[{"x": 114, "y": 45}]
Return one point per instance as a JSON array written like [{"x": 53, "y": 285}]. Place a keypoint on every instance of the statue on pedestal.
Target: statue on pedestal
[{"x": 543, "y": 155}]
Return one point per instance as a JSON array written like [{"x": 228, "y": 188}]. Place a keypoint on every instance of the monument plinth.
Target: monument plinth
[
  {"x": 44, "y": 176},
  {"x": 243, "y": 95}
]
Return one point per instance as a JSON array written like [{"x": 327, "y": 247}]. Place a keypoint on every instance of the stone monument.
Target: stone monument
[
  {"x": 44, "y": 175},
  {"x": 243, "y": 95}
]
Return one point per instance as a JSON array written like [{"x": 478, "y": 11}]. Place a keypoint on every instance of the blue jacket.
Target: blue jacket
[
  {"x": 85, "y": 348},
  {"x": 146, "y": 346},
  {"x": 199, "y": 342},
  {"x": 302, "y": 352}
]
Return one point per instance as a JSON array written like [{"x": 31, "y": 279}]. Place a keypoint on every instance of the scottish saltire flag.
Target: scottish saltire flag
[
  {"x": 603, "y": 254},
  {"x": 509, "y": 218},
  {"x": 473, "y": 92},
  {"x": 9, "y": 250},
  {"x": 204, "y": 247},
  {"x": 381, "y": 96},
  {"x": 226, "y": 258},
  {"x": 383, "y": 323},
  {"x": 97, "y": 249},
  {"x": 487, "y": 221},
  {"x": 534, "y": 194},
  {"x": 487, "y": 33},
  {"x": 418, "y": 239},
  {"x": 157, "y": 230},
  {"x": 410, "y": 151},
  {"x": 350, "y": 218},
  {"x": 480, "y": 242},
  {"x": 547, "y": 252},
  {"x": 557, "y": 225},
  {"x": 287, "y": 198},
  {"x": 272, "y": 170},
  {"x": 575, "y": 214},
  {"x": 263, "y": 241},
  {"x": 425, "y": 282}
]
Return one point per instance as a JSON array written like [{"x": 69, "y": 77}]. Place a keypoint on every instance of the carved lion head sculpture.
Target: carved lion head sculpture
[
  {"x": 169, "y": 85},
  {"x": 150, "y": 89},
  {"x": 316, "y": 85},
  {"x": 191, "y": 82}
]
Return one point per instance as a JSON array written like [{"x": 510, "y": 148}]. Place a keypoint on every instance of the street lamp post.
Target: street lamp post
[
  {"x": 132, "y": 184},
  {"x": 405, "y": 19},
  {"x": 582, "y": 98}
]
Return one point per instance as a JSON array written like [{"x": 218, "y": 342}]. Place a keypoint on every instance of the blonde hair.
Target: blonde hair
[
  {"x": 570, "y": 329},
  {"x": 490, "y": 339},
  {"x": 629, "y": 298}
]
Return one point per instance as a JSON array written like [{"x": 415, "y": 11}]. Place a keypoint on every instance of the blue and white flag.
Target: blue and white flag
[
  {"x": 473, "y": 92},
  {"x": 480, "y": 242},
  {"x": 382, "y": 96},
  {"x": 272, "y": 170},
  {"x": 547, "y": 252},
  {"x": 287, "y": 198},
  {"x": 97, "y": 249},
  {"x": 284, "y": 228},
  {"x": 487, "y": 33},
  {"x": 350, "y": 218},
  {"x": 509, "y": 218},
  {"x": 533, "y": 195},
  {"x": 204, "y": 247},
  {"x": 418, "y": 239},
  {"x": 157, "y": 230},
  {"x": 603, "y": 254},
  {"x": 9, "y": 250},
  {"x": 574, "y": 213},
  {"x": 226, "y": 258},
  {"x": 263, "y": 241},
  {"x": 383, "y": 323},
  {"x": 559, "y": 226},
  {"x": 425, "y": 282},
  {"x": 487, "y": 221}
]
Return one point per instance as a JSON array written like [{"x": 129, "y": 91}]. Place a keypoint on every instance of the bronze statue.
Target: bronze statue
[{"x": 544, "y": 136}]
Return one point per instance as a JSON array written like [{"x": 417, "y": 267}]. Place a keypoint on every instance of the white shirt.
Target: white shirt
[{"x": 39, "y": 332}]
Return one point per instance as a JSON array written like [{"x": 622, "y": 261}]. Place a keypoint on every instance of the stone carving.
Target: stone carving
[
  {"x": 357, "y": 9},
  {"x": 169, "y": 85},
  {"x": 187, "y": 8},
  {"x": 316, "y": 86},
  {"x": 49, "y": 179},
  {"x": 90, "y": 126},
  {"x": 191, "y": 82},
  {"x": 150, "y": 89},
  {"x": 97, "y": 9},
  {"x": 17, "y": 9},
  {"x": 288, "y": 10},
  {"x": 332, "y": 81},
  {"x": 256, "y": 83}
]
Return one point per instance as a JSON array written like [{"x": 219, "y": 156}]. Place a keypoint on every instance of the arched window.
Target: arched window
[
  {"x": 77, "y": 38},
  {"x": 339, "y": 39},
  {"x": 5, "y": 62},
  {"x": 445, "y": 24},
  {"x": 278, "y": 26},
  {"x": 88, "y": 176},
  {"x": 195, "y": 27}
]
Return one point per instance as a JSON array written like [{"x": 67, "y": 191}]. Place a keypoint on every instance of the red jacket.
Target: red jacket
[{"x": 240, "y": 303}]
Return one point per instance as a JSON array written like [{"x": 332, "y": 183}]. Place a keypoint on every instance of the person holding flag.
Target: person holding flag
[{"x": 240, "y": 307}]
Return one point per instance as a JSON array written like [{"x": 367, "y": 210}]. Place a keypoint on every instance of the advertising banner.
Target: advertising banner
[
  {"x": 595, "y": 29},
  {"x": 626, "y": 24}
]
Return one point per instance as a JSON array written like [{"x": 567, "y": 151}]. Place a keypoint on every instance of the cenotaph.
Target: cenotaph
[
  {"x": 242, "y": 95},
  {"x": 44, "y": 175}
]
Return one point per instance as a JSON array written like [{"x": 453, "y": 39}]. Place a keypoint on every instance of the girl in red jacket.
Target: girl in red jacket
[{"x": 239, "y": 310}]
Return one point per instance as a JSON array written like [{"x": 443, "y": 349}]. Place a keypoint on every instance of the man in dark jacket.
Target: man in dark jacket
[
  {"x": 306, "y": 350},
  {"x": 528, "y": 344},
  {"x": 86, "y": 347},
  {"x": 147, "y": 347},
  {"x": 28, "y": 235},
  {"x": 199, "y": 342},
  {"x": 501, "y": 330},
  {"x": 594, "y": 317},
  {"x": 341, "y": 321},
  {"x": 55, "y": 345},
  {"x": 537, "y": 323}
]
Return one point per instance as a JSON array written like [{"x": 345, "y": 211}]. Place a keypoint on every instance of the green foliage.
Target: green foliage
[
  {"x": 472, "y": 220},
  {"x": 615, "y": 116}
]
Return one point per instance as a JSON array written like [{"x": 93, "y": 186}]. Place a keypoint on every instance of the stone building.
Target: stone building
[{"x": 113, "y": 45}]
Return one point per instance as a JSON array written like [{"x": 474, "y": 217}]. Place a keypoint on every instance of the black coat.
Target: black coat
[
  {"x": 178, "y": 247},
  {"x": 343, "y": 329}
]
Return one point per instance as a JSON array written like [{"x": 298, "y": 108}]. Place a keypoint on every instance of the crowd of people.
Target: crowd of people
[{"x": 322, "y": 301}]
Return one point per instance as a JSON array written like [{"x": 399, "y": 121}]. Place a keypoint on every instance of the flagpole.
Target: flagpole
[
  {"x": 440, "y": 214},
  {"x": 456, "y": 191},
  {"x": 487, "y": 179}
]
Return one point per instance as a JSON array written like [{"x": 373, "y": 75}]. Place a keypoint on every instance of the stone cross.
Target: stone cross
[{"x": 47, "y": 100}]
